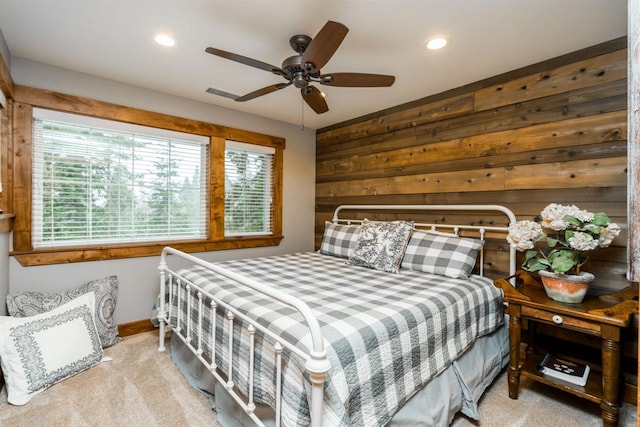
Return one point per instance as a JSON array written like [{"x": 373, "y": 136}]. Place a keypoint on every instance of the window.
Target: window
[
  {"x": 146, "y": 180},
  {"x": 100, "y": 182},
  {"x": 248, "y": 199}
]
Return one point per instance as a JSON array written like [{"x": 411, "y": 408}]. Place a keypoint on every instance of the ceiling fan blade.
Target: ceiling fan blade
[
  {"x": 323, "y": 46},
  {"x": 315, "y": 99},
  {"x": 263, "y": 91},
  {"x": 214, "y": 91},
  {"x": 357, "y": 80},
  {"x": 246, "y": 61}
]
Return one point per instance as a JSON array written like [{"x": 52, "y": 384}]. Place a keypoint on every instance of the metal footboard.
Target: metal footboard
[{"x": 316, "y": 362}]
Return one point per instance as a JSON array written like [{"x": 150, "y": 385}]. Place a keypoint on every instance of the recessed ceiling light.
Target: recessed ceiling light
[
  {"x": 436, "y": 43},
  {"x": 165, "y": 40}
]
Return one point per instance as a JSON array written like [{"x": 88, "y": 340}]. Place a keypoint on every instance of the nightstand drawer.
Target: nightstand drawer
[{"x": 562, "y": 320}]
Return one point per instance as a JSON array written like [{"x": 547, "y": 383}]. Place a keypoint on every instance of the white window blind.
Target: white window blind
[
  {"x": 248, "y": 208},
  {"x": 99, "y": 182}
]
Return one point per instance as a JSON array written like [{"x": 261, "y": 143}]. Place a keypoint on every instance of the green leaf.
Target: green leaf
[
  {"x": 536, "y": 265},
  {"x": 531, "y": 254},
  {"x": 593, "y": 229},
  {"x": 535, "y": 262},
  {"x": 572, "y": 220},
  {"x": 562, "y": 265},
  {"x": 562, "y": 260},
  {"x": 601, "y": 218},
  {"x": 552, "y": 242},
  {"x": 560, "y": 253}
]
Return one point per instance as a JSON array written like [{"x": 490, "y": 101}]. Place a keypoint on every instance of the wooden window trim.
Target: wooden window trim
[{"x": 20, "y": 152}]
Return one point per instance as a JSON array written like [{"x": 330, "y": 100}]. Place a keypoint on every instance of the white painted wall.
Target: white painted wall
[{"x": 138, "y": 277}]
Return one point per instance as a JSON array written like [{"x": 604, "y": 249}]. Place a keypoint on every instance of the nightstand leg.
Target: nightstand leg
[
  {"x": 610, "y": 404},
  {"x": 513, "y": 371},
  {"x": 531, "y": 342}
]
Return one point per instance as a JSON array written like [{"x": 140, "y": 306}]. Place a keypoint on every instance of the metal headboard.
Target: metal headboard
[{"x": 453, "y": 228}]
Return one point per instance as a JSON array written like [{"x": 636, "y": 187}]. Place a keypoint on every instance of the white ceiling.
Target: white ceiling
[{"x": 114, "y": 39}]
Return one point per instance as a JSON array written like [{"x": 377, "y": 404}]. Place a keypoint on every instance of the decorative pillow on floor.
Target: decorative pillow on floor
[
  {"x": 381, "y": 245},
  {"x": 440, "y": 254},
  {"x": 39, "y": 351},
  {"x": 339, "y": 239},
  {"x": 25, "y": 304}
]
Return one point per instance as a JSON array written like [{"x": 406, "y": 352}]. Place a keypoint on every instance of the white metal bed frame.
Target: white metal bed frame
[{"x": 316, "y": 362}]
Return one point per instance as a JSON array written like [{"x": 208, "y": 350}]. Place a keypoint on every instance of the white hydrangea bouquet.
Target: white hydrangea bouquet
[{"x": 559, "y": 242}]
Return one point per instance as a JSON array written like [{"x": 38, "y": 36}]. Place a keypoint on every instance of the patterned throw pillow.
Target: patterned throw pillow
[
  {"x": 39, "y": 351},
  {"x": 339, "y": 239},
  {"x": 444, "y": 255},
  {"x": 25, "y": 304},
  {"x": 381, "y": 245}
]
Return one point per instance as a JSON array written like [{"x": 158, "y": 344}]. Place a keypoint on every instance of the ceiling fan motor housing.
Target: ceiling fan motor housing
[{"x": 292, "y": 66}]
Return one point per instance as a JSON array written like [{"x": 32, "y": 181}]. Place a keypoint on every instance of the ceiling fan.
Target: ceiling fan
[{"x": 304, "y": 68}]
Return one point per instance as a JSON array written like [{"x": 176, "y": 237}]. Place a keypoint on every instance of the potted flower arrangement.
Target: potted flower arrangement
[{"x": 556, "y": 247}]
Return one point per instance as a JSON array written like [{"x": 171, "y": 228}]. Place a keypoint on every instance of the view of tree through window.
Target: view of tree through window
[
  {"x": 95, "y": 185},
  {"x": 248, "y": 199}
]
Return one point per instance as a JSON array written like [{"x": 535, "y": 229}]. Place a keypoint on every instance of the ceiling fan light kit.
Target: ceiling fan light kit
[{"x": 304, "y": 68}]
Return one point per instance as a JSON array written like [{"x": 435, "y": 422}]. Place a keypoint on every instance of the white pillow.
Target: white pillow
[{"x": 39, "y": 351}]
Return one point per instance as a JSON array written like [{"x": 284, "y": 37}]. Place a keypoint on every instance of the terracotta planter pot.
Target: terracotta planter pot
[{"x": 569, "y": 288}]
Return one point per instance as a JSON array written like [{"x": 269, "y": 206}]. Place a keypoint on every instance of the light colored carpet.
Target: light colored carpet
[
  {"x": 539, "y": 405},
  {"x": 142, "y": 387},
  {"x": 139, "y": 387}
]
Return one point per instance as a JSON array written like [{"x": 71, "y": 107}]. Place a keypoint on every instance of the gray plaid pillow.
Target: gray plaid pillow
[
  {"x": 444, "y": 255},
  {"x": 339, "y": 239},
  {"x": 381, "y": 245}
]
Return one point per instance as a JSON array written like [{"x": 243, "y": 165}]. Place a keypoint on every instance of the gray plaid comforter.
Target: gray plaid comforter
[{"x": 387, "y": 335}]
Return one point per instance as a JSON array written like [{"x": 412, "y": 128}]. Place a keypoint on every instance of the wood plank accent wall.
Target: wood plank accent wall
[{"x": 555, "y": 131}]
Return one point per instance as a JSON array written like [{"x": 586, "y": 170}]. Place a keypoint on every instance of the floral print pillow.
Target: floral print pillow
[
  {"x": 24, "y": 304},
  {"x": 381, "y": 245}
]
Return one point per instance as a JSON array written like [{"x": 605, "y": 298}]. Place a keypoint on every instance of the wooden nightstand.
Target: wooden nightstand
[{"x": 604, "y": 317}]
